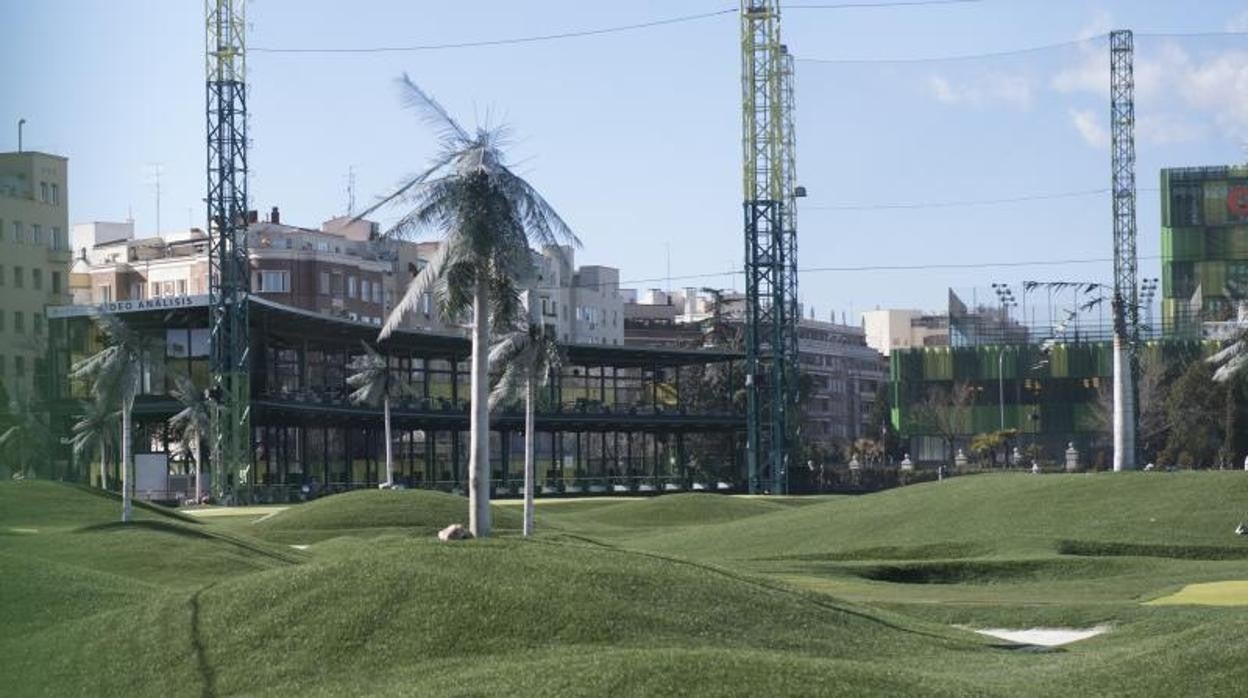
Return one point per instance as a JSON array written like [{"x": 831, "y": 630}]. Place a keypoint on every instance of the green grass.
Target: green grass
[
  {"x": 372, "y": 513},
  {"x": 1234, "y": 593},
  {"x": 673, "y": 595}
]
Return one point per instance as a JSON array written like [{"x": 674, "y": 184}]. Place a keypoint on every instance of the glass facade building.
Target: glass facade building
[{"x": 614, "y": 419}]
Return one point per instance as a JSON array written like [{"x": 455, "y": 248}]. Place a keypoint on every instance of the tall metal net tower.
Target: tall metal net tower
[
  {"x": 770, "y": 241},
  {"x": 226, "y": 66},
  {"x": 1126, "y": 301}
]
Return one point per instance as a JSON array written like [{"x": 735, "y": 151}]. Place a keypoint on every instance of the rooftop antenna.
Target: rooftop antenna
[
  {"x": 20, "y": 124},
  {"x": 156, "y": 171},
  {"x": 350, "y": 190},
  {"x": 667, "y": 246}
]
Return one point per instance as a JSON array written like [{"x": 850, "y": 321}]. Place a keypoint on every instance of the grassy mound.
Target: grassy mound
[
  {"x": 412, "y": 605},
  {"x": 1007, "y": 514},
  {"x": 71, "y": 532},
  {"x": 41, "y": 505},
  {"x": 686, "y": 509},
  {"x": 375, "y": 511}
]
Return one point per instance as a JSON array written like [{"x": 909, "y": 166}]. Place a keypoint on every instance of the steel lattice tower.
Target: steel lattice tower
[
  {"x": 226, "y": 68},
  {"x": 1126, "y": 302},
  {"x": 770, "y": 239}
]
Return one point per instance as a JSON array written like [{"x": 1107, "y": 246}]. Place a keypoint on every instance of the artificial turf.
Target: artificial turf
[{"x": 673, "y": 595}]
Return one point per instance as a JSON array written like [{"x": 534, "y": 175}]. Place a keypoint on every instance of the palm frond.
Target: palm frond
[
  {"x": 544, "y": 225},
  {"x": 449, "y": 131},
  {"x": 423, "y": 178},
  {"x": 421, "y": 284}
]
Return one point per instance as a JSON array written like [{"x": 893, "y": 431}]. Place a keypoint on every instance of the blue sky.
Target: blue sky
[{"x": 635, "y": 136}]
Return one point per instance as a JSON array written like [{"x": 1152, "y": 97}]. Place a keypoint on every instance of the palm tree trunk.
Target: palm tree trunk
[
  {"x": 530, "y": 441},
  {"x": 127, "y": 473},
  {"x": 1124, "y": 408},
  {"x": 389, "y": 445},
  {"x": 479, "y": 426},
  {"x": 103, "y": 466},
  {"x": 199, "y": 459}
]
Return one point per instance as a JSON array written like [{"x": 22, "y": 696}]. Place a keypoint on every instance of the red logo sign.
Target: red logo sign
[{"x": 1237, "y": 201}]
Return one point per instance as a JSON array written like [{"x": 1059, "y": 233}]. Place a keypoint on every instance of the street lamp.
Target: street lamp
[
  {"x": 1148, "y": 290},
  {"x": 1001, "y": 382}
]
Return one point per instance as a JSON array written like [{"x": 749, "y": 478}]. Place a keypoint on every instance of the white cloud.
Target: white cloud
[
  {"x": 1238, "y": 23},
  {"x": 1165, "y": 128},
  {"x": 994, "y": 88},
  {"x": 1100, "y": 23},
  {"x": 1089, "y": 125},
  {"x": 1220, "y": 86},
  {"x": 1215, "y": 87}
]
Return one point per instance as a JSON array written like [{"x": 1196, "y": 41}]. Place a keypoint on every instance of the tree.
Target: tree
[
  {"x": 944, "y": 411},
  {"x": 1195, "y": 411},
  {"x": 987, "y": 445},
  {"x": 96, "y": 431},
  {"x": 114, "y": 375},
  {"x": 25, "y": 436},
  {"x": 1156, "y": 377},
  {"x": 488, "y": 217},
  {"x": 526, "y": 358},
  {"x": 880, "y": 418},
  {"x": 374, "y": 385},
  {"x": 192, "y": 424}
]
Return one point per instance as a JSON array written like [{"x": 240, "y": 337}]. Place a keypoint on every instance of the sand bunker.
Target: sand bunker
[
  {"x": 1046, "y": 637},
  {"x": 1234, "y": 593}
]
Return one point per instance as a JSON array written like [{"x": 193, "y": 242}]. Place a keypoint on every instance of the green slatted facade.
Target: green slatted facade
[
  {"x": 1050, "y": 397},
  {"x": 1204, "y": 246}
]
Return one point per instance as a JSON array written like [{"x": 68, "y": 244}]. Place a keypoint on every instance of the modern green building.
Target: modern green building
[
  {"x": 1054, "y": 394},
  {"x": 1204, "y": 247}
]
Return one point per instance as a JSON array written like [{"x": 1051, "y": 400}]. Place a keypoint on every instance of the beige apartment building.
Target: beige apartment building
[
  {"x": 342, "y": 269},
  {"x": 34, "y": 261},
  {"x": 326, "y": 270}
]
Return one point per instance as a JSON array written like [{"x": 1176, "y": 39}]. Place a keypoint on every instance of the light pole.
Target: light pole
[{"x": 1001, "y": 382}]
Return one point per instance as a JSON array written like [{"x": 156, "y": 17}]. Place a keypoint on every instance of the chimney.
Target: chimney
[
  {"x": 274, "y": 216},
  {"x": 253, "y": 216}
]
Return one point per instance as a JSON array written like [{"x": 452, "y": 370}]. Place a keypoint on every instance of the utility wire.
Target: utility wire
[
  {"x": 503, "y": 42},
  {"x": 866, "y": 268},
  {"x": 876, "y": 5},
  {"x": 960, "y": 57},
  {"x": 598, "y": 32},
  {"x": 951, "y": 204}
]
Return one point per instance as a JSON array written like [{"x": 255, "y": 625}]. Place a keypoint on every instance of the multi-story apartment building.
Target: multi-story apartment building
[
  {"x": 844, "y": 374},
  {"x": 891, "y": 329},
  {"x": 34, "y": 260},
  {"x": 322, "y": 270},
  {"x": 583, "y": 306},
  {"x": 844, "y": 377},
  {"x": 342, "y": 269}
]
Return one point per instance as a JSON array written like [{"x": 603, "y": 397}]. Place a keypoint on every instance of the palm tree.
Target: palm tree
[
  {"x": 25, "y": 436},
  {"x": 192, "y": 424},
  {"x": 375, "y": 384},
  {"x": 526, "y": 357},
  {"x": 114, "y": 374},
  {"x": 94, "y": 431},
  {"x": 488, "y": 217}
]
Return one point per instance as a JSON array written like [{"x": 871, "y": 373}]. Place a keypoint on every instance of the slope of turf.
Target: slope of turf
[
  {"x": 1229, "y": 593},
  {"x": 1003, "y": 514},
  {"x": 42, "y": 505},
  {"x": 371, "y": 512},
  {"x": 73, "y": 531},
  {"x": 164, "y": 608},
  {"x": 669, "y": 510},
  {"x": 402, "y": 602}
]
